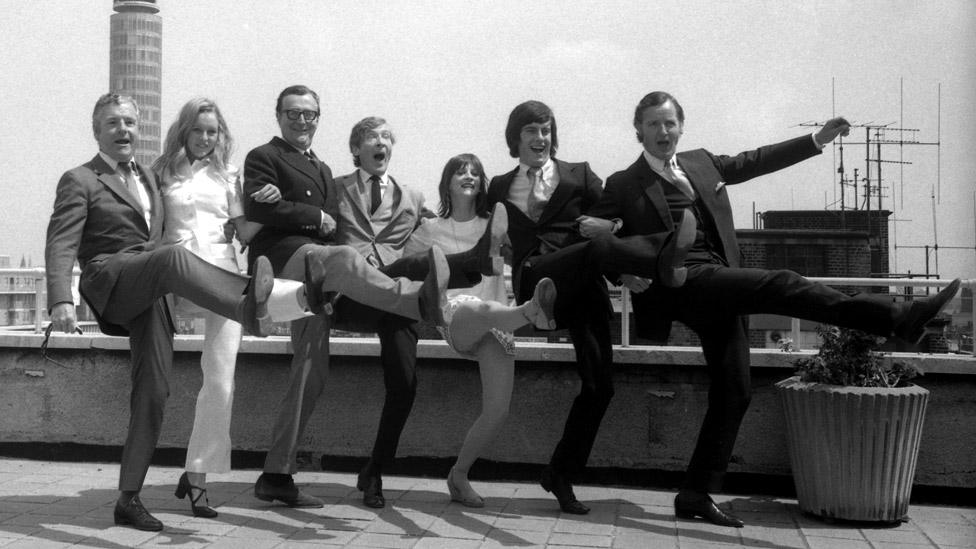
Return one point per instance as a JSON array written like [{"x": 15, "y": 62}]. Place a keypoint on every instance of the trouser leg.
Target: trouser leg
[
  {"x": 751, "y": 291},
  {"x": 347, "y": 273},
  {"x": 306, "y": 381},
  {"x": 594, "y": 363},
  {"x": 726, "y": 349},
  {"x": 398, "y": 355},
  {"x": 151, "y": 347},
  {"x": 209, "y": 448},
  {"x": 146, "y": 276},
  {"x": 464, "y": 270}
]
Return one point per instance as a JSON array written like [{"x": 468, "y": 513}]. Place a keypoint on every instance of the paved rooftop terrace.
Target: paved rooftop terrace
[{"x": 56, "y": 504}]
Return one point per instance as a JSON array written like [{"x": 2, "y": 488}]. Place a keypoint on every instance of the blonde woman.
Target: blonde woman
[{"x": 201, "y": 196}]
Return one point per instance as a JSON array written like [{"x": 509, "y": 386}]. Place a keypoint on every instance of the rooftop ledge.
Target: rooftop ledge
[{"x": 528, "y": 351}]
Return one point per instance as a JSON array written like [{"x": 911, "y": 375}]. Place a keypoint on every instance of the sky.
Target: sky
[{"x": 446, "y": 75}]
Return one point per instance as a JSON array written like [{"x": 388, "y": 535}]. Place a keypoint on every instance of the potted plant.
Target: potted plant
[{"x": 854, "y": 423}]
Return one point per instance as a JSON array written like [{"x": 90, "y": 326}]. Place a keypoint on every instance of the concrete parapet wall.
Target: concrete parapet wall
[{"x": 661, "y": 395}]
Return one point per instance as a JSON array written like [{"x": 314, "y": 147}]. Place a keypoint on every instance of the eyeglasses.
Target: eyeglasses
[
  {"x": 310, "y": 116},
  {"x": 47, "y": 339}
]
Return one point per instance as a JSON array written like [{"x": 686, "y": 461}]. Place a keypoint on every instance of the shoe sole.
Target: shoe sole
[
  {"x": 498, "y": 227},
  {"x": 547, "y": 301},
  {"x": 683, "y": 238}
]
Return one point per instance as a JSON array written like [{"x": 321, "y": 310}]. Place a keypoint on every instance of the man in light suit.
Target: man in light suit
[
  {"x": 108, "y": 215},
  {"x": 547, "y": 201},
  {"x": 377, "y": 215},
  {"x": 298, "y": 237},
  {"x": 662, "y": 188}
]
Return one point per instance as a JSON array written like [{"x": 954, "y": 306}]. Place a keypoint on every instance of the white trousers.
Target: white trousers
[{"x": 209, "y": 448}]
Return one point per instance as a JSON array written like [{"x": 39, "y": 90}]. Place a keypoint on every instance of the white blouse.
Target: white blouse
[{"x": 198, "y": 206}]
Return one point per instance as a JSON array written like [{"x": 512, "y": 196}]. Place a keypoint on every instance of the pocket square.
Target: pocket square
[{"x": 719, "y": 185}]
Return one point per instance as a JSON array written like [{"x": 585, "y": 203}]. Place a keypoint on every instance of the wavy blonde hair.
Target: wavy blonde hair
[{"x": 174, "y": 149}]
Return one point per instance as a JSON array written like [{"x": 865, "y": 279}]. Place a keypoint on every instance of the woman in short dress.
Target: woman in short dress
[{"x": 480, "y": 324}]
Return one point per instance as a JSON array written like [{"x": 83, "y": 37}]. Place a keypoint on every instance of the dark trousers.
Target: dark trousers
[
  {"x": 398, "y": 346},
  {"x": 712, "y": 303},
  {"x": 583, "y": 307},
  {"x": 138, "y": 304}
]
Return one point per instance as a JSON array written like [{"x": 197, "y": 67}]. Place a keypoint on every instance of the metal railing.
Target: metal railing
[
  {"x": 890, "y": 283},
  {"x": 37, "y": 275}
]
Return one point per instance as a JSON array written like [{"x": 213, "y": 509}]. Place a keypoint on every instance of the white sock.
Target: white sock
[{"x": 287, "y": 301}]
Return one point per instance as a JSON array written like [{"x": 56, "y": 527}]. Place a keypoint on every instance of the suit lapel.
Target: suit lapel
[
  {"x": 110, "y": 179},
  {"x": 568, "y": 180},
  {"x": 299, "y": 162},
  {"x": 700, "y": 181},
  {"x": 350, "y": 186},
  {"x": 651, "y": 183}
]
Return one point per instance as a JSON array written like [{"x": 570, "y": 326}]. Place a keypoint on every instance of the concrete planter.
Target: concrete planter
[{"x": 853, "y": 450}]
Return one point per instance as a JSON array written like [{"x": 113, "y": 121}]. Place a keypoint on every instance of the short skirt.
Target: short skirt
[{"x": 507, "y": 339}]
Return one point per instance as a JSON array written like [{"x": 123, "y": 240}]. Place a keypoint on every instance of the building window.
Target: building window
[{"x": 806, "y": 260}]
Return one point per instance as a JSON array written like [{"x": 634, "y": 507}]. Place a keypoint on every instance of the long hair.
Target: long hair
[
  {"x": 454, "y": 165},
  {"x": 174, "y": 150}
]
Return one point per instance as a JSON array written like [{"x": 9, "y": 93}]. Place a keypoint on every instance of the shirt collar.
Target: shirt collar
[
  {"x": 112, "y": 163},
  {"x": 300, "y": 151},
  {"x": 364, "y": 176},
  {"x": 655, "y": 163},
  {"x": 547, "y": 169}
]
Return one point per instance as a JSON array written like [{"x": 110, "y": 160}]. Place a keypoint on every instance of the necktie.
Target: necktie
[
  {"x": 375, "y": 194},
  {"x": 537, "y": 200},
  {"x": 128, "y": 176},
  {"x": 308, "y": 155},
  {"x": 678, "y": 179}
]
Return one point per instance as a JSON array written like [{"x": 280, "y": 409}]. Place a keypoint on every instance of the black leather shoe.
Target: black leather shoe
[
  {"x": 671, "y": 271},
  {"x": 184, "y": 488},
  {"x": 286, "y": 493},
  {"x": 690, "y": 505},
  {"x": 911, "y": 328},
  {"x": 552, "y": 481},
  {"x": 371, "y": 485},
  {"x": 431, "y": 296},
  {"x": 255, "y": 307},
  {"x": 135, "y": 515}
]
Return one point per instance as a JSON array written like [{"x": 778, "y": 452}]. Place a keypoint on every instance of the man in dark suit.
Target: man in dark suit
[
  {"x": 547, "y": 201},
  {"x": 298, "y": 236},
  {"x": 662, "y": 188},
  {"x": 108, "y": 215}
]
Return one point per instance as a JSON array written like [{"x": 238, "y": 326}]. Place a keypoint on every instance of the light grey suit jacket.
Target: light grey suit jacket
[{"x": 380, "y": 241}]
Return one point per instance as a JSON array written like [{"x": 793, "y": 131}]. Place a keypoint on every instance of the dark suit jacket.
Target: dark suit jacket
[
  {"x": 293, "y": 221},
  {"x": 95, "y": 218},
  {"x": 578, "y": 190},
  {"x": 635, "y": 196}
]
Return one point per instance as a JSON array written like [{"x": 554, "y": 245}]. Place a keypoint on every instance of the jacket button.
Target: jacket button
[{"x": 308, "y": 193}]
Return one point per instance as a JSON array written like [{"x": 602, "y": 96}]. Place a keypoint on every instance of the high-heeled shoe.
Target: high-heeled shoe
[
  {"x": 471, "y": 499},
  {"x": 184, "y": 488},
  {"x": 543, "y": 304}
]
